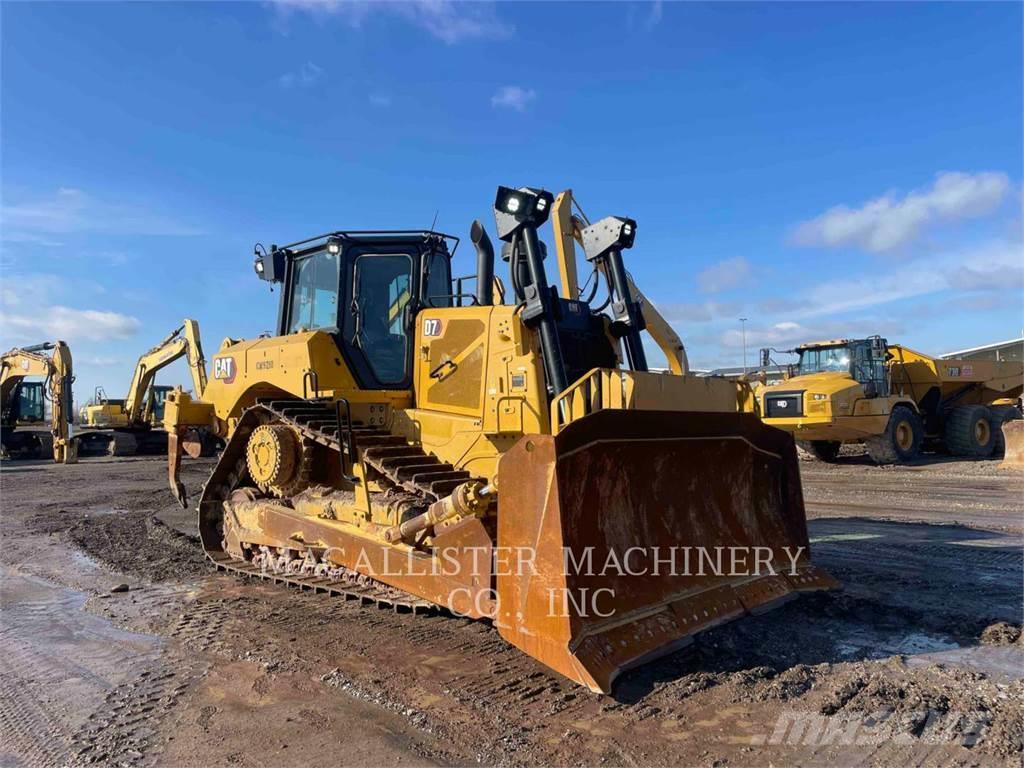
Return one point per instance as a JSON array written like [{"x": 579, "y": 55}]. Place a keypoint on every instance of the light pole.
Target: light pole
[{"x": 743, "y": 326}]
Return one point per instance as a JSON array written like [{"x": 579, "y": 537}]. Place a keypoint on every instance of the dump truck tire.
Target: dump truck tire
[
  {"x": 901, "y": 441},
  {"x": 824, "y": 450},
  {"x": 1002, "y": 415},
  {"x": 970, "y": 431}
]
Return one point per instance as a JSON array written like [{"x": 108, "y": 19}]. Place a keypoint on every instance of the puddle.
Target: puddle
[
  {"x": 62, "y": 658},
  {"x": 878, "y": 647},
  {"x": 833, "y": 537},
  {"x": 1003, "y": 664}
]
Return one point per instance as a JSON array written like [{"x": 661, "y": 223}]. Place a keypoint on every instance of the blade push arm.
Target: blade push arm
[{"x": 568, "y": 231}]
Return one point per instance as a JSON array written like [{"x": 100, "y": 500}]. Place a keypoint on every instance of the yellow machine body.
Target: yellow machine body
[
  {"x": 469, "y": 487},
  {"x": 56, "y": 369},
  {"x": 135, "y": 423},
  {"x": 835, "y": 407}
]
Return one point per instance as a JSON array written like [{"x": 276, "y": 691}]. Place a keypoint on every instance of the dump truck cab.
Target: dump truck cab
[{"x": 830, "y": 386}]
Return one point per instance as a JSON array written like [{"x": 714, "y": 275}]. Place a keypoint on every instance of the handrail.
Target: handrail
[{"x": 600, "y": 389}]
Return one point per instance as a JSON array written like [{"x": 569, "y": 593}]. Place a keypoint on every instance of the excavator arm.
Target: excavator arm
[
  {"x": 568, "y": 231},
  {"x": 58, "y": 371},
  {"x": 184, "y": 341}
]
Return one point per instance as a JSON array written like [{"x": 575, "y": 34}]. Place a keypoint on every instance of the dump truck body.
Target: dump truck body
[
  {"x": 393, "y": 446},
  {"x": 849, "y": 390}
]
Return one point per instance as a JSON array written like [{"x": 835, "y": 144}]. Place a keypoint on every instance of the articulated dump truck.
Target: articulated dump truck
[
  {"x": 408, "y": 444},
  {"x": 896, "y": 401}
]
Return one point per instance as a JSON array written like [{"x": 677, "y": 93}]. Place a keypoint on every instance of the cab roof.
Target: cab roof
[{"x": 828, "y": 343}]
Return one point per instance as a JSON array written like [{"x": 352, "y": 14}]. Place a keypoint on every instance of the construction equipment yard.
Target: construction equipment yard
[{"x": 121, "y": 646}]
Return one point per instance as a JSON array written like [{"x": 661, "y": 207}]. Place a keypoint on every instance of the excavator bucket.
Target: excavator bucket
[
  {"x": 643, "y": 528},
  {"x": 1013, "y": 442}
]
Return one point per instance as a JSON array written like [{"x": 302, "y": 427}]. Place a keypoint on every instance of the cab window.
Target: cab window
[
  {"x": 315, "y": 286},
  {"x": 376, "y": 321},
  {"x": 439, "y": 281},
  {"x": 821, "y": 359}
]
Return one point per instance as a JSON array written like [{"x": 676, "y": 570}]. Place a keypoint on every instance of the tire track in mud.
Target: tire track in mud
[
  {"x": 460, "y": 680},
  {"x": 30, "y": 735},
  {"x": 125, "y": 729}
]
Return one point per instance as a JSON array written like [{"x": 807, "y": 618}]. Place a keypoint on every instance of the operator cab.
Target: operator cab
[
  {"x": 366, "y": 288},
  {"x": 363, "y": 288},
  {"x": 157, "y": 400},
  {"x": 861, "y": 359},
  {"x": 26, "y": 404}
]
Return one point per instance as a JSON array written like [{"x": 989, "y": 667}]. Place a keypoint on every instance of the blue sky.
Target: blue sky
[{"x": 821, "y": 169}]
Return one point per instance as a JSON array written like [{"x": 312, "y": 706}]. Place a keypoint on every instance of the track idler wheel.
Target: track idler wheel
[{"x": 275, "y": 457}]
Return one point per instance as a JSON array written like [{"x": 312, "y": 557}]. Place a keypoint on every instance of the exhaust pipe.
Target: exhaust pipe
[{"x": 484, "y": 263}]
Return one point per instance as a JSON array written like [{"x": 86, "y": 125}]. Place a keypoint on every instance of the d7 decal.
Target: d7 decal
[{"x": 431, "y": 326}]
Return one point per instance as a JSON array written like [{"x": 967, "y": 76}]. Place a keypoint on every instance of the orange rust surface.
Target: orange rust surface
[
  {"x": 1013, "y": 439},
  {"x": 621, "y": 481}
]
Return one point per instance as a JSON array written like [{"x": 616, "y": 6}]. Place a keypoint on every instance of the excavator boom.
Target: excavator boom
[
  {"x": 132, "y": 425},
  {"x": 57, "y": 371}
]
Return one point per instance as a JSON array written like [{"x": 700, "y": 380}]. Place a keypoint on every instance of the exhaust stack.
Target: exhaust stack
[{"x": 484, "y": 264}]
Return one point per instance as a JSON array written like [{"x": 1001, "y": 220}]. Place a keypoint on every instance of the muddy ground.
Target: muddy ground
[{"x": 118, "y": 646}]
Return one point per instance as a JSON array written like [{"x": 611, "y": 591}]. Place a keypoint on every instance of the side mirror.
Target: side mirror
[
  {"x": 870, "y": 390},
  {"x": 766, "y": 357}
]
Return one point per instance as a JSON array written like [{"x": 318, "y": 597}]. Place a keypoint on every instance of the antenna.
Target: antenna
[{"x": 434, "y": 222}]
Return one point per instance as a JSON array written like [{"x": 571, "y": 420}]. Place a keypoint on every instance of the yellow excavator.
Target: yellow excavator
[
  {"x": 28, "y": 378},
  {"x": 406, "y": 443},
  {"x": 134, "y": 425}
]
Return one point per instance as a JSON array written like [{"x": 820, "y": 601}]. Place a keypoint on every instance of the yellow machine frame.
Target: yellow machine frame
[{"x": 57, "y": 370}]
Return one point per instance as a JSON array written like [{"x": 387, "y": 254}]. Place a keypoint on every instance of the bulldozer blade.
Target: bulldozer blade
[
  {"x": 646, "y": 528},
  {"x": 1013, "y": 444}
]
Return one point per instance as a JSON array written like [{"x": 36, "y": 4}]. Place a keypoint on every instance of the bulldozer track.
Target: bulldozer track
[{"x": 413, "y": 479}]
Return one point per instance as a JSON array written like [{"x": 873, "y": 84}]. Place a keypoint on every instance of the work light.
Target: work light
[
  {"x": 514, "y": 208},
  {"x": 334, "y": 245},
  {"x": 610, "y": 233}
]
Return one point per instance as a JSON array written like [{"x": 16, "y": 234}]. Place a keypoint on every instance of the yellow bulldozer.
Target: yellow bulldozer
[
  {"x": 29, "y": 377},
  {"x": 895, "y": 401},
  {"x": 134, "y": 424},
  {"x": 408, "y": 443}
]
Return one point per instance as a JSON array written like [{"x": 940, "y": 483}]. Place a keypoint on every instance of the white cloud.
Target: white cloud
[
  {"x": 451, "y": 22},
  {"x": 655, "y": 14},
  {"x": 380, "y": 99},
  {"x": 98, "y": 361},
  {"x": 41, "y": 323},
  {"x": 726, "y": 274},
  {"x": 71, "y": 210},
  {"x": 513, "y": 97},
  {"x": 698, "y": 313},
  {"x": 781, "y": 333},
  {"x": 980, "y": 278},
  {"x": 32, "y": 310},
  {"x": 889, "y": 222},
  {"x": 994, "y": 265},
  {"x": 308, "y": 74}
]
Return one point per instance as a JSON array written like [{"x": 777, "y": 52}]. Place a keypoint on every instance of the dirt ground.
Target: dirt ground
[{"x": 119, "y": 647}]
